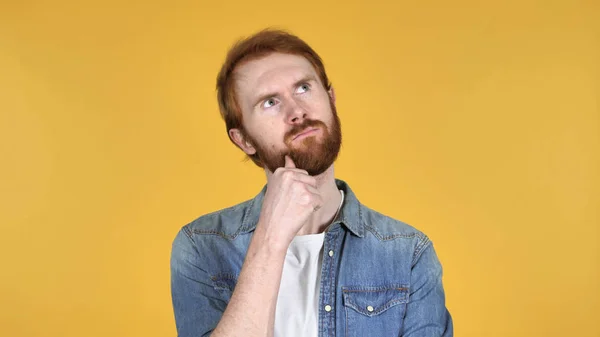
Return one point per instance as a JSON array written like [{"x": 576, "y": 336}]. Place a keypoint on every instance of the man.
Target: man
[{"x": 304, "y": 257}]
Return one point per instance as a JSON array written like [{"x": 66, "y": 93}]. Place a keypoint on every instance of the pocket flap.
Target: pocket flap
[{"x": 371, "y": 301}]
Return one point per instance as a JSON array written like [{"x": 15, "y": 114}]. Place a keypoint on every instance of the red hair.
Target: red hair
[{"x": 259, "y": 45}]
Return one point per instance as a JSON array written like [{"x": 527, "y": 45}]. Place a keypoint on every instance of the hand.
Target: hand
[{"x": 292, "y": 196}]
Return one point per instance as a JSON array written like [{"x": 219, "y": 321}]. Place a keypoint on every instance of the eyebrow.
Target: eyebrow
[{"x": 307, "y": 78}]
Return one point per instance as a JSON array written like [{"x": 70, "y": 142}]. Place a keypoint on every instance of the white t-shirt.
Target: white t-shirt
[{"x": 297, "y": 311}]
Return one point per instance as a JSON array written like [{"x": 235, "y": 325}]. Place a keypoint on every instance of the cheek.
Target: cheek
[
  {"x": 326, "y": 113},
  {"x": 315, "y": 101},
  {"x": 268, "y": 134},
  {"x": 322, "y": 107}
]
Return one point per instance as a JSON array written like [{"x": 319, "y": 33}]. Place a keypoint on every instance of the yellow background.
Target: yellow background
[{"x": 475, "y": 121}]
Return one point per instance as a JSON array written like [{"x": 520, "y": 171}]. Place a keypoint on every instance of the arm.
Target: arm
[
  {"x": 291, "y": 198},
  {"x": 197, "y": 305},
  {"x": 426, "y": 312},
  {"x": 251, "y": 311}
]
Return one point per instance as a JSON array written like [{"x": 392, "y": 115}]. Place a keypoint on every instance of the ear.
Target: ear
[
  {"x": 332, "y": 95},
  {"x": 241, "y": 142}
]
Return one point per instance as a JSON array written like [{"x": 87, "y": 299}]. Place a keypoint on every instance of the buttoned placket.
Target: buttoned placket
[{"x": 328, "y": 286}]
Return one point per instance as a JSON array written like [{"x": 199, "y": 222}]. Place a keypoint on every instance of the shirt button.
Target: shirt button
[
  {"x": 331, "y": 253},
  {"x": 328, "y": 308},
  {"x": 370, "y": 308}
]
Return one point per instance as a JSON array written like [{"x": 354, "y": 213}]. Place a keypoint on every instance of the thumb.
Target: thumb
[{"x": 289, "y": 163}]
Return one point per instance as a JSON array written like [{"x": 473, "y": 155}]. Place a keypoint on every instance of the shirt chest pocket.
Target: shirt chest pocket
[{"x": 374, "y": 311}]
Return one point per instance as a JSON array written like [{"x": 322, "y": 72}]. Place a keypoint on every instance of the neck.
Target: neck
[{"x": 320, "y": 219}]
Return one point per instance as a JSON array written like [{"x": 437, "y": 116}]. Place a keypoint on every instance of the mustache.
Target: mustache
[{"x": 298, "y": 128}]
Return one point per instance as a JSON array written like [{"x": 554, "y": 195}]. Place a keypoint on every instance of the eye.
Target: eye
[
  {"x": 303, "y": 88},
  {"x": 269, "y": 103}
]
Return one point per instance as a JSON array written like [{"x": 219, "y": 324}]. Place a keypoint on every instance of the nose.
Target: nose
[{"x": 295, "y": 114}]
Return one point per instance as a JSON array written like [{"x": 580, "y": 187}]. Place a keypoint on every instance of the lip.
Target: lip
[{"x": 305, "y": 133}]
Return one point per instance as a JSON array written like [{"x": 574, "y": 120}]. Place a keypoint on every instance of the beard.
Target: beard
[{"x": 311, "y": 154}]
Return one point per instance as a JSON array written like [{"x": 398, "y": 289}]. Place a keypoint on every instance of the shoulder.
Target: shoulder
[
  {"x": 386, "y": 228},
  {"x": 226, "y": 222}
]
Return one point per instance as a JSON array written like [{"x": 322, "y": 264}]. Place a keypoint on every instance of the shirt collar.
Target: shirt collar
[{"x": 349, "y": 215}]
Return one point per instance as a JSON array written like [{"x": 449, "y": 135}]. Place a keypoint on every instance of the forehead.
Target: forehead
[{"x": 271, "y": 72}]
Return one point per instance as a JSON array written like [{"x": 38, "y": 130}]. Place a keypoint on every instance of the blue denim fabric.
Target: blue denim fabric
[{"x": 384, "y": 278}]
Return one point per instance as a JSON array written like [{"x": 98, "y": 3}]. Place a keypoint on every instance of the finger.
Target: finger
[
  {"x": 317, "y": 199},
  {"x": 306, "y": 179},
  {"x": 297, "y": 170},
  {"x": 289, "y": 163},
  {"x": 313, "y": 190}
]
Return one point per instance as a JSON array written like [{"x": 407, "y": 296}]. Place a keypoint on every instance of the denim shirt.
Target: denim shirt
[{"x": 379, "y": 277}]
